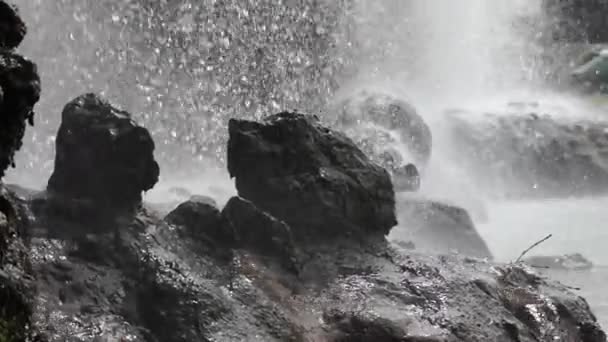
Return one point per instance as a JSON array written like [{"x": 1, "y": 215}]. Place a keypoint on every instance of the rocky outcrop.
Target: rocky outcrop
[
  {"x": 150, "y": 284},
  {"x": 145, "y": 280},
  {"x": 313, "y": 178},
  {"x": 16, "y": 278},
  {"x": 102, "y": 156},
  {"x": 12, "y": 28},
  {"x": 380, "y": 124},
  {"x": 19, "y": 92},
  {"x": 19, "y": 87},
  {"x": 531, "y": 155},
  {"x": 438, "y": 227}
]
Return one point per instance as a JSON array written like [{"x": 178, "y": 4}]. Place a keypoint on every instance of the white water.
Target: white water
[{"x": 474, "y": 55}]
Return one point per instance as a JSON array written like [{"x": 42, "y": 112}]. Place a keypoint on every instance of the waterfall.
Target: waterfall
[{"x": 447, "y": 48}]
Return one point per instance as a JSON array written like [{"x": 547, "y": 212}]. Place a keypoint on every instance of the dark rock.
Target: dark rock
[
  {"x": 16, "y": 279},
  {"x": 438, "y": 227},
  {"x": 102, "y": 156},
  {"x": 19, "y": 92},
  {"x": 531, "y": 156},
  {"x": 259, "y": 232},
  {"x": 353, "y": 327},
  {"x": 577, "y": 20},
  {"x": 518, "y": 290},
  {"x": 312, "y": 177},
  {"x": 200, "y": 218},
  {"x": 368, "y": 117},
  {"x": 565, "y": 262},
  {"x": 148, "y": 283},
  {"x": 12, "y": 28}
]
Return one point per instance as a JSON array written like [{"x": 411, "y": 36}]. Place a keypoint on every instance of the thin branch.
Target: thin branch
[
  {"x": 532, "y": 247},
  {"x": 573, "y": 288}
]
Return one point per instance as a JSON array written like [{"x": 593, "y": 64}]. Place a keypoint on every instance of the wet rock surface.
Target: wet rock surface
[
  {"x": 150, "y": 284},
  {"x": 143, "y": 280},
  {"x": 437, "y": 227},
  {"x": 16, "y": 278},
  {"x": 533, "y": 156},
  {"x": 12, "y": 28},
  {"x": 102, "y": 156},
  {"x": 198, "y": 216},
  {"x": 19, "y": 92},
  {"x": 312, "y": 177},
  {"x": 258, "y": 231}
]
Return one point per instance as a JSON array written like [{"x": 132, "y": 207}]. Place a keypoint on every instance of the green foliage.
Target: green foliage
[{"x": 11, "y": 331}]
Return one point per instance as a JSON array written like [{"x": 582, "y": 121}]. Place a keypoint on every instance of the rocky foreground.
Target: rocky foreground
[
  {"x": 301, "y": 255},
  {"x": 263, "y": 268}
]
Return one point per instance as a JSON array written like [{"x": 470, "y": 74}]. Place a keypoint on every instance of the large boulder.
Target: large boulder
[
  {"x": 19, "y": 86},
  {"x": 438, "y": 227},
  {"x": 381, "y": 124},
  {"x": 19, "y": 92},
  {"x": 312, "y": 177},
  {"x": 12, "y": 28},
  {"x": 103, "y": 156}
]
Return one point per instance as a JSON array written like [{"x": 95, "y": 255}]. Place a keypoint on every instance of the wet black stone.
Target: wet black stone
[
  {"x": 259, "y": 232},
  {"x": 12, "y": 28},
  {"x": 102, "y": 155},
  {"x": 314, "y": 178},
  {"x": 19, "y": 92},
  {"x": 199, "y": 218}
]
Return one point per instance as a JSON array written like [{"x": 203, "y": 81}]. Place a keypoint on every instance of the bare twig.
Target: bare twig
[
  {"x": 532, "y": 247},
  {"x": 573, "y": 288},
  {"x": 540, "y": 267}
]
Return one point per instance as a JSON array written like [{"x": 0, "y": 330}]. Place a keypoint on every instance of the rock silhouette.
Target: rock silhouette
[
  {"x": 102, "y": 156},
  {"x": 314, "y": 178},
  {"x": 19, "y": 86}
]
